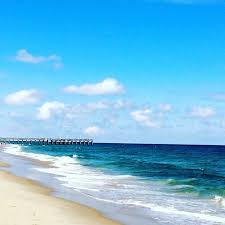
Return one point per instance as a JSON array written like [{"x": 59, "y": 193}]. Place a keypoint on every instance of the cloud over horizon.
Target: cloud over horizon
[
  {"x": 144, "y": 117},
  {"x": 93, "y": 131}
]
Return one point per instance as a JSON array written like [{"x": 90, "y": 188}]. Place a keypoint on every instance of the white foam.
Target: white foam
[
  {"x": 173, "y": 210},
  {"x": 17, "y": 150},
  {"x": 219, "y": 200}
]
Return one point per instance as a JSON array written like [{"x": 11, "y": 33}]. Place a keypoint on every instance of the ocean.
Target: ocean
[{"x": 132, "y": 183}]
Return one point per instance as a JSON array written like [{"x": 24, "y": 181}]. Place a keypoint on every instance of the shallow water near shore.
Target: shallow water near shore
[{"x": 135, "y": 184}]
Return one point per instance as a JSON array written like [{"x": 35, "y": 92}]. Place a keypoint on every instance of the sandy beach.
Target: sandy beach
[{"x": 25, "y": 202}]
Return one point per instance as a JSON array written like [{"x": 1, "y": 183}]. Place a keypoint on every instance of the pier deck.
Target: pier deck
[{"x": 45, "y": 141}]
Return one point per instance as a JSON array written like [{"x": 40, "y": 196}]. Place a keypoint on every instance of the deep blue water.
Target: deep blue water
[{"x": 158, "y": 180}]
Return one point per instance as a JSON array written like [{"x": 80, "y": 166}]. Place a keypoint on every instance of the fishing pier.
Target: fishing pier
[{"x": 45, "y": 141}]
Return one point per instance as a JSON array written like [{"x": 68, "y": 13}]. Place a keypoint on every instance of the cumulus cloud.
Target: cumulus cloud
[
  {"x": 24, "y": 56},
  {"x": 93, "y": 131},
  {"x": 48, "y": 109},
  {"x": 165, "y": 107},
  {"x": 106, "y": 87},
  {"x": 23, "y": 97},
  {"x": 144, "y": 117},
  {"x": 202, "y": 112}
]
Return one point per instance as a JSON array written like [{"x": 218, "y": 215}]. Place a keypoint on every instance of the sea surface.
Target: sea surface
[{"x": 134, "y": 184}]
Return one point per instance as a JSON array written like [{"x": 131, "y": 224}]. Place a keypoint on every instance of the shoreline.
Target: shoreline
[
  {"x": 119, "y": 197},
  {"x": 25, "y": 201}
]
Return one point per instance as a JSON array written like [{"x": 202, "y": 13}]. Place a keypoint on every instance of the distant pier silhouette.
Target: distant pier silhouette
[{"x": 45, "y": 141}]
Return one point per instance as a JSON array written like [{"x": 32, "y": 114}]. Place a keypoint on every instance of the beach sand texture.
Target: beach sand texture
[{"x": 24, "y": 202}]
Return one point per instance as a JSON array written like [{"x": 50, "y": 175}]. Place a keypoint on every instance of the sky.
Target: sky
[{"x": 136, "y": 71}]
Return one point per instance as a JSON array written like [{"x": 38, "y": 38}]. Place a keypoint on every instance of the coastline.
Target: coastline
[
  {"x": 71, "y": 175},
  {"x": 24, "y": 201}
]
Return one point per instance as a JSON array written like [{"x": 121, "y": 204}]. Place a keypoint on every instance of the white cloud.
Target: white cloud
[
  {"x": 23, "y": 55},
  {"x": 93, "y": 131},
  {"x": 91, "y": 108},
  {"x": 165, "y": 107},
  {"x": 23, "y": 97},
  {"x": 144, "y": 118},
  {"x": 48, "y": 109},
  {"x": 97, "y": 105},
  {"x": 202, "y": 112},
  {"x": 106, "y": 87}
]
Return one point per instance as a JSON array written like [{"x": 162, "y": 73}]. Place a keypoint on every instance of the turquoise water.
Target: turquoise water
[{"x": 166, "y": 183}]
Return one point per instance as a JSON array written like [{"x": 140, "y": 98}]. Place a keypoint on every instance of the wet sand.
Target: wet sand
[{"x": 25, "y": 202}]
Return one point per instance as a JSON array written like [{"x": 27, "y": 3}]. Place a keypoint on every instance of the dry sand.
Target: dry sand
[{"x": 24, "y": 202}]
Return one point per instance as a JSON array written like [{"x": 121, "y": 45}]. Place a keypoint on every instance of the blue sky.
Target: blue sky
[{"x": 149, "y": 71}]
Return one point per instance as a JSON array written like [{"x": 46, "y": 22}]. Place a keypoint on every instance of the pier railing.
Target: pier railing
[{"x": 45, "y": 141}]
